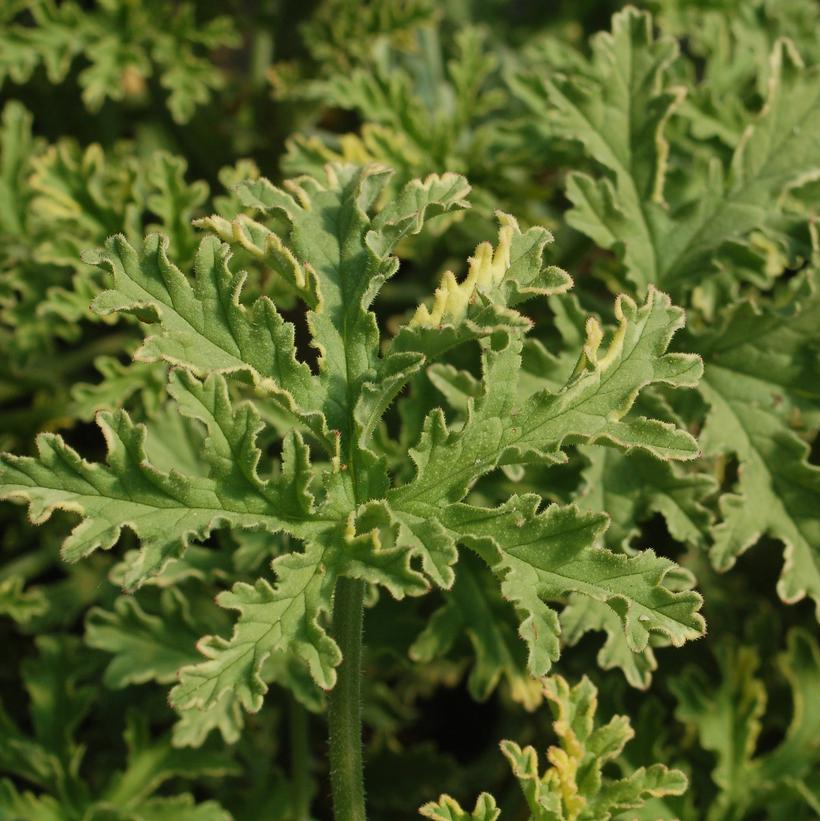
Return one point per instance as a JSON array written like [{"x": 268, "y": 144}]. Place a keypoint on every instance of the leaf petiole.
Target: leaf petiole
[{"x": 345, "y": 707}]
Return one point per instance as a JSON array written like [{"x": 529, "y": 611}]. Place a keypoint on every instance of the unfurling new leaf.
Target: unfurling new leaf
[{"x": 573, "y": 787}]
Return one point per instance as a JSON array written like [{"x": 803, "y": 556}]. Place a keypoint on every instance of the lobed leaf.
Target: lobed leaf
[
  {"x": 591, "y": 407},
  {"x": 165, "y": 509},
  {"x": 745, "y": 778},
  {"x": 618, "y": 110},
  {"x": 760, "y": 380},
  {"x": 547, "y": 556},
  {"x": 573, "y": 788},
  {"x": 205, "y": 327},
  {"x": 144, "y": 646},
  {"x": 287, "y": 620}
]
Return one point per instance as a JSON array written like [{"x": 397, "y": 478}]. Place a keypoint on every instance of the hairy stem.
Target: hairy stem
[
  {"x": 346, "y": 776},
  {"x": 300, "y": 761}
]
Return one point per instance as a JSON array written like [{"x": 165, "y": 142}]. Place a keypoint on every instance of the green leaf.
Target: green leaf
[
  {"x": 475, "y": 609},
  {"x": 760, "y": 380},
  {"x": 27, "y": 805},
  {"x": 331, "y": 233},
  {"x": 165, "y": 509},
  {"x": 574, "y": 788},
  {"x": 341, "y": 33},
  {"x": 728, "y": 719},
  {"x": 174, "y": 201},
  {"x": 267, "y": 247},
  {"x": 194, "y": 724},
  {"x": 287, "y": 619},
  {"x": 546, "y": 556},
  {"x": 800, "y": 665},
  {"x": 583, "y": 615},
  {"x": 59, "y": 701},
  {"x": 376, "y": 396},
  {"x": 591, "y": 407},
  {"x": 150, "y": 763},
  {"x": 117, "y": 385},
  {"x": 205, "y": 327},
  {"x": 17, "y": 145},
  {"x": 448, "y": 809},
  {"x": 416, "y": 203},
  {"x": 123, "y": 43},
  {"x": 619, "y": 117},
  {"x": 200, "y": 463},
  {"x": 21, "y": 605},
  {"x": 498, "y": 278},
  {"x": 145, "y": 646},
  {"x": 618, "y": 109},
  {"x": 630, "y": 487},
  {"x": 83, "y": 190},
  {"x": 181, "y": 807},
  {"x": 51, "y": 42}
]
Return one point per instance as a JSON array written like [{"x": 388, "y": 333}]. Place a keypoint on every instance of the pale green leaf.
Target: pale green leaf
[
  {"x": 288, "y": 618},
  {"x": 204, "y": 326},
  {"x": 174, "y": 201},
  {"x": 330, "y": 232},
  {"x": 498, "y": 278},
  {"x": 584, "y": 614},
  {"x": 448, "y": 809}
]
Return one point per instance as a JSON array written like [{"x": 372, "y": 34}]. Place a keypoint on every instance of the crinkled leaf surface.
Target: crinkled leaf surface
[
  {"x": 544, "y": 557},
  {"x": 144, "y": 646}
]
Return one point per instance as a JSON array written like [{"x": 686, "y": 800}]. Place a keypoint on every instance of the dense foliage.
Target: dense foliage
[{"x": 428, "y": 374}]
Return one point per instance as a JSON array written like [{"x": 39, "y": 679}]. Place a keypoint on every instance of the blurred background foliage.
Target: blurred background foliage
[{"x": 138, "y": 115}]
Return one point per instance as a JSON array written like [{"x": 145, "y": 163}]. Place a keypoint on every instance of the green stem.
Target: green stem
[
  {"x": 261, "y": 57},
  {"x": 345, "y": 713},
  {"x": 300, "y": 760}
]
